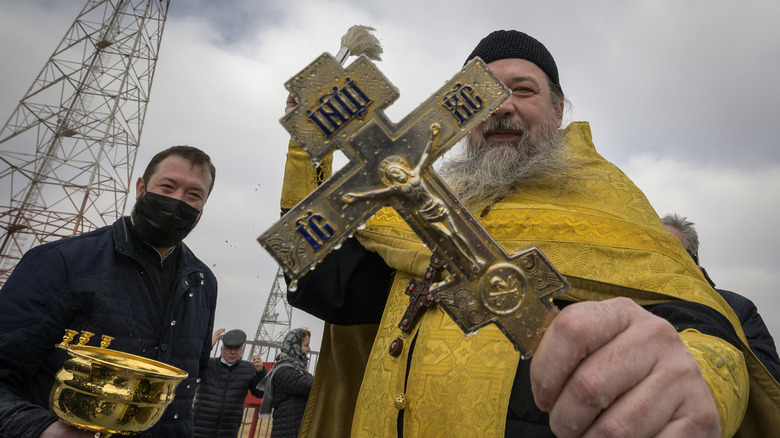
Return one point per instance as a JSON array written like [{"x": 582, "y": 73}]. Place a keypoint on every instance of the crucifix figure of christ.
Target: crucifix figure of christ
[
  {"x": 400, "y": 179},
  {"x": 343, "y": 108}
]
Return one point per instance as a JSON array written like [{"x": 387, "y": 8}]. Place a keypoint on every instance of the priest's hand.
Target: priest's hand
[
  {"x": 290, "y": 104},
  {"x": 611, "y": 368}
]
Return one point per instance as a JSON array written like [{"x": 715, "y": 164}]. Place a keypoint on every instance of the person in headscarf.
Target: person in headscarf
[{"x": 288, "y": 384}]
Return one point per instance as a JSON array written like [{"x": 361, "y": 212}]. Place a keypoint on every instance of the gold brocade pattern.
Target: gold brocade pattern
[
  {"x": 455, "y": 367},
  {"x": 304, "y": 177},
  {"x": 389, "y": 383},
  {"x": 723, "y": 367},
  {"x": 445, "y": 367}
]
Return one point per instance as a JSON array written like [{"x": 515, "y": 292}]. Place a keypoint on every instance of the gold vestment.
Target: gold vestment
[{"x": 597, "y": 226}]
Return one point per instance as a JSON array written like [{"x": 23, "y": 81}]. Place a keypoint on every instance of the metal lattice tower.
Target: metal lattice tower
[
  {"x": 275, "y": 322},
  {"x": 68, "y": 150}
]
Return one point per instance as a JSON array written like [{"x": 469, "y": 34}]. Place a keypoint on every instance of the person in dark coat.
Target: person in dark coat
[
  {"x": 134, "y": 280},
  {"x": 760, "y": 341},
  {"x": 219, "y": 401},
  {"x": 289, "y": 384}
]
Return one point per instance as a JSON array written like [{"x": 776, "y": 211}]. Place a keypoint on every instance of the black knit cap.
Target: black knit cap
[{"x": 503, "y": 44}]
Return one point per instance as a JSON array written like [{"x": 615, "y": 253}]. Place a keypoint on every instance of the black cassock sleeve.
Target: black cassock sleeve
[
  {"x": 349, "y": 287},
  {"x": 685, "y": 315}
]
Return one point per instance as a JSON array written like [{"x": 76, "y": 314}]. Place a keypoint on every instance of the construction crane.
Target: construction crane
[{"x": 68, "y": 150}]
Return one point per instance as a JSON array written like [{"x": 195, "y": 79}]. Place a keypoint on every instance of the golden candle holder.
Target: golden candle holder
[{"x": 108, "y": 391}]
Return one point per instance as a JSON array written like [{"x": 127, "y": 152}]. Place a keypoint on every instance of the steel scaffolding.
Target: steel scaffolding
[{"x": 68, "y": 150}]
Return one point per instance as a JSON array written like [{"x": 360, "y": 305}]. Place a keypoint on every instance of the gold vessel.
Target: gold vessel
[{"x": 108, "y": 391}]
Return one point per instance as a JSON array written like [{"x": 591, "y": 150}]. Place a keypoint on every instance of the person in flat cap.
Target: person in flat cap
[
  {"x": 233, "y": 339},
  {"x": 642, "y": 345},
  {"x": 219, "y": 400}
]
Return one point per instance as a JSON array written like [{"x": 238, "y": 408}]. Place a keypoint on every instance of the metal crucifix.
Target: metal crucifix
[{"x": 391, "y": 164}]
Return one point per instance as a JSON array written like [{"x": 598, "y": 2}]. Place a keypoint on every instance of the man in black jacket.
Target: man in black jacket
[
  {"x": 219, "y": 402},
  {"x": 756, "y": 332},
  {"x": 134, "y": 280}
]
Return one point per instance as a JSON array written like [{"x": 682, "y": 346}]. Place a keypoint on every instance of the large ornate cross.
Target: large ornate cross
[{"x": 390, "y": 164}]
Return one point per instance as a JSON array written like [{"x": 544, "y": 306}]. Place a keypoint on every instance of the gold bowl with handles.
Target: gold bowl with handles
[{"x": 108, "y": 391}]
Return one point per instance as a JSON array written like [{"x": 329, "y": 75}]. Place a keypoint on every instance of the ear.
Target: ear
[
  {"x": 140, "y": 187},
  {"x": 559, "y": 114}
]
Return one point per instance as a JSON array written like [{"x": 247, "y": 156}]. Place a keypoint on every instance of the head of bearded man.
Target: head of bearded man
[{"x": 520, "y": 142}]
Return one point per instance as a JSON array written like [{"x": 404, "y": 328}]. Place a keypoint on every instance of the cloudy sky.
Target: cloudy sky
[{"x": 683, "y": 95}]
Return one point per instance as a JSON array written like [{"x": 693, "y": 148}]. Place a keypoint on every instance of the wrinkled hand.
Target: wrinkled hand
[
  {"x": 611, "y": 368},
  {"x": 58, "y": 429},
  {"x": 257, "y": 362}
]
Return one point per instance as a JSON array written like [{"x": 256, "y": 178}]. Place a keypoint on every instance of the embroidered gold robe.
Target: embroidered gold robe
[{"x": 597, "y": 226}]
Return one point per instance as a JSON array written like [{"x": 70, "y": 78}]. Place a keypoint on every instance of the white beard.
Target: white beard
[{"x": 481, "y": 173}]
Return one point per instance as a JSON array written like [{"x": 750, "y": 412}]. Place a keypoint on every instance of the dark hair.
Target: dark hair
[
  {"x": 190, "y": 153},
  {"x": 305, "y": 333}
]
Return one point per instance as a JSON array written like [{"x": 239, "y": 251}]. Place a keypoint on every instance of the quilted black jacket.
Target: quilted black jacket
[
  {"x": 95, "y": 282},
  {"x": 219, "y": 402},
  {"x": 291, "y": 392}
]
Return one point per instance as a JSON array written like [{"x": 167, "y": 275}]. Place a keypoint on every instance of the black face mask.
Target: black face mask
[{"x": 162, "y": 221}]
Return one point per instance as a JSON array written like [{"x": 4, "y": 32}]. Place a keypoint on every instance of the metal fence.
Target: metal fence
[{"x": 254, "y": 424}]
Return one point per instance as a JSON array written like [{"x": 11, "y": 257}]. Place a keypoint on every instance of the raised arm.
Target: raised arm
[
  {"x": 352, "y": 196},
  {"x": 426, "y": 155}
]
